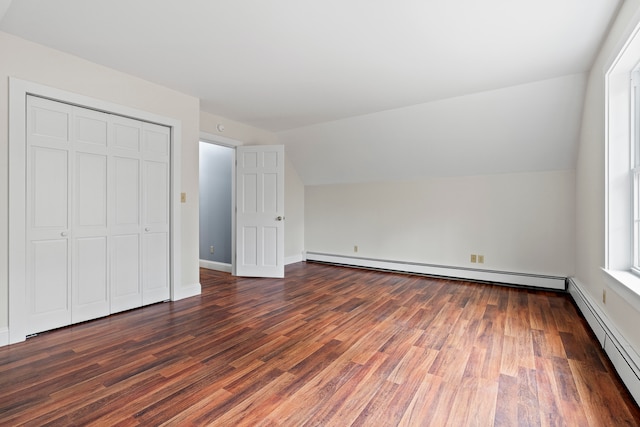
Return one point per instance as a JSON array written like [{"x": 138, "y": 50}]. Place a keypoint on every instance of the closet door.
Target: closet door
[
  {"x": 90, "y": 291},
  {"x": 49, "y": 158},
  {"x": 125, "y": 206},
  {"x": 155, "y": 213},
  {"x": 98, "y": 237}
]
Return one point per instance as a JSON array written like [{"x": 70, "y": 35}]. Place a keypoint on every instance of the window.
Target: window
[{"x": 622, "y": 171}]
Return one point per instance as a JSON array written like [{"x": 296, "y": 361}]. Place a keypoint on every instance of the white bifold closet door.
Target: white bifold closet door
[{"x": 97, "y": 214}]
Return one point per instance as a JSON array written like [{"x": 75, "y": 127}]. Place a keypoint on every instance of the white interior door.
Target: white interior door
[
  {"x": 260, "y": 211},
  {"x": 126, "y": 213},
  {"x": 48, "y": 248},
  {"x": 155, "y": 213},
  {"x": 90, "y": 281}
]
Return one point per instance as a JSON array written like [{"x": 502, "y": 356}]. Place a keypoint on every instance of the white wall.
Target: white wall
[
  {"x": 293, "y": 187},
  {"x": 39, "y": 64},
  {"x": 520, "y": 222},
  {"x": 590, "y": 185},
  {"x": 524, "y": 128}
]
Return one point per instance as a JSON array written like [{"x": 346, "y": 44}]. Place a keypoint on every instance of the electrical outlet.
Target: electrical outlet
[
  {"x": 355, "y": 248},
  {"x": 480, "y": 259},
  {"x": 474, "y": 258},
  {"x": 211, "y": 249}
]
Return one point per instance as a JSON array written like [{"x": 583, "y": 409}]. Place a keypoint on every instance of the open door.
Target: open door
[{"x": 260, "y": 211}]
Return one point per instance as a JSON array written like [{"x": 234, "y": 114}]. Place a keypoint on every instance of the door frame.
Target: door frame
[
  {"x": 230, "y": 143},
  {"x": 18, "y": 91}
]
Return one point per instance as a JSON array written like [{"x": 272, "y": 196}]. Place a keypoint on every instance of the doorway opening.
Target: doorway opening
[{"x": 216, "y": 206}]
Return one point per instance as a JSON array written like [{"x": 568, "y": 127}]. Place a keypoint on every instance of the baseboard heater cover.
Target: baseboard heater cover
[
  {"x": 503, "y": 277},
  {"x": 623, "y": 356}
]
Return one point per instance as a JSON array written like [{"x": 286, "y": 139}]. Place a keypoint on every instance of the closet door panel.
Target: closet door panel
[
  {"x": 91, "y": 191},
  {"x": 155, "y": 209},
  {"x": 125, "y": 208},
  {"x": 126, "y": 291},
  {"x": 48, "y": 197},
  {"x": 155, "y": 267},
  {"x": 49, "y": 189},
  {"x": 48, "y": 285},
  {"x": 90, "y": 281},
  {"x": 126, "y": 203}
]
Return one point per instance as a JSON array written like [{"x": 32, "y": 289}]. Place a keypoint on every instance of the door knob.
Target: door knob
[
  {"x": 147, "y": 229},
  {"x": 64, "y": 234},
  {"x": 280, "y": 218}
]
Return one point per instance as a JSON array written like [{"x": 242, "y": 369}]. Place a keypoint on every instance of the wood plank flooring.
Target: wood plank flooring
[{"x": 327, "y": 346}]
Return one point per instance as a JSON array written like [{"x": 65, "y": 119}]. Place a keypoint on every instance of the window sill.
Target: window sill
[{"x": 625, "y": 284}]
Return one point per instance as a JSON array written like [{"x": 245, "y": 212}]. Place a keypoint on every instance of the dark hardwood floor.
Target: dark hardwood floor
[{"x": 327, "y": 346}]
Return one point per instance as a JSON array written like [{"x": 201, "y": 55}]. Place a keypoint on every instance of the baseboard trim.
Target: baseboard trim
[
  {"x": 228, "y": 268},
  {"x": 4, "y": 337},
  {"x": 623, "y": 356},
  {"x": 182, "y": 292},
  {"x": 214, "y": 265},
  {"x": 478, "y": 275}
]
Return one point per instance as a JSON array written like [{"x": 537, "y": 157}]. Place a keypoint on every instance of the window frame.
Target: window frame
[
  {"x": 622, "y": 169},
  {"x": 634, "y": 167}
]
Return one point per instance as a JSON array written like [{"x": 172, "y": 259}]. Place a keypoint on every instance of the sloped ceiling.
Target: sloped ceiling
[{"x": 375, "y": 89}]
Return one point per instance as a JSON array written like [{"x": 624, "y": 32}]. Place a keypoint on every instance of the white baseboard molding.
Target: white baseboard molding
[
  {"x": 214, "y": 265},
  {"x": 623, "y": 356},
  {"x": 503, "y": 277},
  {"x": 4, "y": 336},
  {"x": 221, "y": 266},
  {"x": 182, "y": 292}
]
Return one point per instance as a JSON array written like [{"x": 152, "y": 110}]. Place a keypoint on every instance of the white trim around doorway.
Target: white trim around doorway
[{"x": 231, "y": 143}]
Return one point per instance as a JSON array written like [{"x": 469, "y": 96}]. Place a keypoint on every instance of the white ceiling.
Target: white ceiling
[{"x": 295, "y": 65}]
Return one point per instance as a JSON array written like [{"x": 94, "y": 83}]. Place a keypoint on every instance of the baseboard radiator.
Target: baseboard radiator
[
  {"x": 477, "y": 275},
  {"x": 622, "y": 355}
]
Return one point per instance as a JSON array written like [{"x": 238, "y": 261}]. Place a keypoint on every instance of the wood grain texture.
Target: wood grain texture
[{"x": 326, "y": 346}]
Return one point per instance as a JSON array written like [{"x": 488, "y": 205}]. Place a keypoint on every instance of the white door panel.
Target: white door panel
[
  {"x": 49, "y": 188},
  {"x": 90, "y": 279},
  {"x": 126, "y": 290},
  {"x": 260, "y": 211},
  {"x": 127, "y": 135},
  {"x": 48, "y": 285},
  {"x": 91, "y": 190},
  {"x": 48, "y": 121},
  {"x": 126, "y": 205},
  {"x": 156, "y": 198},
  {"x": 249, "y": 248},
  {"x": 157, "y": 141},
  {"x": 90, "y": 292},
  {"x": 155, "y": 267},
  {"x": 155, "y": 212},
  {"x": 48, "y": 220},
  {"x": 92, "y": 128},
  {"x": 126, "y": 193},
  {"x": 249, "y": 201},
  {"x": 270, "y": 246}
]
